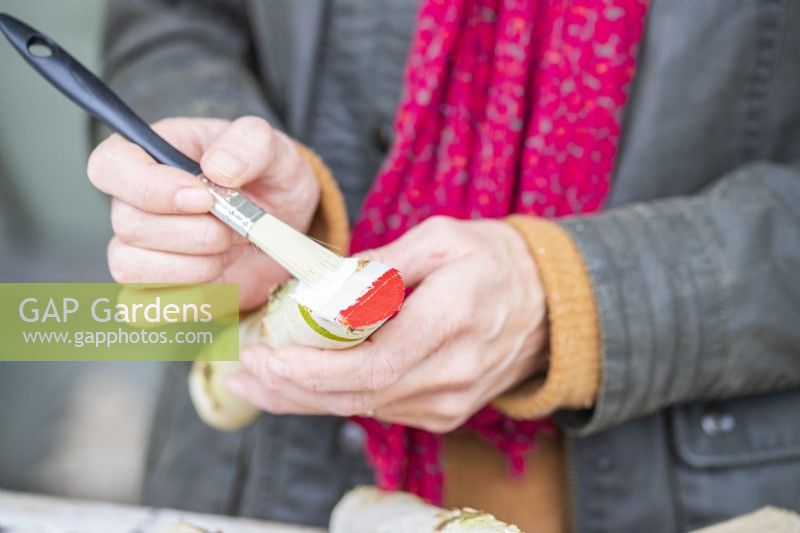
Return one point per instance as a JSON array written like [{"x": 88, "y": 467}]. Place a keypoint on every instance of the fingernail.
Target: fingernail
[
  {"x": 193, "y": 200},
  {"x": 225, "y": 162}
]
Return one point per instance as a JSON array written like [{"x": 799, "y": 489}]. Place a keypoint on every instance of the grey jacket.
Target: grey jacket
[{"x": 695, "y": 263}]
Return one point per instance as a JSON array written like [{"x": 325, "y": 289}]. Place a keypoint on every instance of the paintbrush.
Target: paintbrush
[{"x": 364, "y": 295}]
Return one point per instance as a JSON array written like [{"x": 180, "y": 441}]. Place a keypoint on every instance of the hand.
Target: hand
[
  {"x": 162, "y": 230},
  {"x": 474, "y": 327}
]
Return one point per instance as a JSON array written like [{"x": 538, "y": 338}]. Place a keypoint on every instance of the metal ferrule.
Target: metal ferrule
[{"x": 233, "y": 208}]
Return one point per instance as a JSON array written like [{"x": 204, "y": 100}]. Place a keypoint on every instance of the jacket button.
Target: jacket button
[
  {"x": 383, "y": 138},
  {"x": 351, "y": 438},
  {"x": 717, "y": 423}
]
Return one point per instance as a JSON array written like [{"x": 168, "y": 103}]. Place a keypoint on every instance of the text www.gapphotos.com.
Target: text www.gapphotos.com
[{"x": 79, "y": 339}]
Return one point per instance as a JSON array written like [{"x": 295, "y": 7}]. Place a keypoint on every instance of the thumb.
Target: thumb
[
  {"x": 247, "y": 150},
  {"x": 422, "y": 250}
]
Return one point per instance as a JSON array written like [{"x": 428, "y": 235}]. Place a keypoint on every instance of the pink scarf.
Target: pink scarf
[{"x": 509, "y": 106}]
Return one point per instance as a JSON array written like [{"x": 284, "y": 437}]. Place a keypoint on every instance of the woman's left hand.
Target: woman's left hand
[{"x": 474, "y": 327}]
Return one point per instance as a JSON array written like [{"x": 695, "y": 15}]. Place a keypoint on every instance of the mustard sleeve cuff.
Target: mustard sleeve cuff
[
  {"x": 329, "y": 224},
  {"x": 573, "y": 377}
]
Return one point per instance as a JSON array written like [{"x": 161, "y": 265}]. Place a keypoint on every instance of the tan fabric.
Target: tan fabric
[
  {"x": 573, "y": 376},
  {"x": 476, "y": 475}
]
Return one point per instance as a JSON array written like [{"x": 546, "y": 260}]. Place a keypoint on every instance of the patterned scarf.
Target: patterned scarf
[{"x": 509, "y": 106}]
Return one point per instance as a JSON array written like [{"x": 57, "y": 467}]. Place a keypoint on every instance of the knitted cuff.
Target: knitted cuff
[
  {"x": 573, "y": 377},
  {"x": 329, "y": 225}
]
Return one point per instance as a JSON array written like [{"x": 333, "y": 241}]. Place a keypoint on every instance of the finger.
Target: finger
[
  {"x": 250, "y": 149},
  {"x": 434, "y": 412},
  {"x": 418, "y": 331},
  {"x": 121, "y": 169},
  {"x": 423, "y": 249},
  {"x": 129, "y": 264},
  {"x": 439, "y": 412},
  {"x": 185, "y": 234},
  {"x": 115, "y": 161},
  {"x": 454, "y": 367},
  {"x": 439, "y": 409},
  {"x": 338, "y": 403},
  {"x": 248, "y": 387},
  {"x": 190, "y": 135}
]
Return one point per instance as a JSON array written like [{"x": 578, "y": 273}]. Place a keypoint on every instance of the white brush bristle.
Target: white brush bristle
[{"x": 304, "y": 258}]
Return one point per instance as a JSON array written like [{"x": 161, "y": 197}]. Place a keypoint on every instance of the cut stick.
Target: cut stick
[
  {"x": 341, "y": 312},
  {"x": 371, "y": 510}
]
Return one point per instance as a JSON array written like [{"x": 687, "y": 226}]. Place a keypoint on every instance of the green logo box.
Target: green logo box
[{"x": 114, "y": 322}]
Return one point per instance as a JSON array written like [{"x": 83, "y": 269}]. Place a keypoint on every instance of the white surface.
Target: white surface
[
  {"x": 316, "y": 296},
  {"x": 28, "y": 513}
]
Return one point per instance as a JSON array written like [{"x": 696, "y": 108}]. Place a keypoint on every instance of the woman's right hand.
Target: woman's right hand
[{"x": 163, "y": 232}]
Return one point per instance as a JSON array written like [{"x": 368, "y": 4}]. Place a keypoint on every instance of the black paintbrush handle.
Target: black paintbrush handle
[{"x": 85, "y": 89}]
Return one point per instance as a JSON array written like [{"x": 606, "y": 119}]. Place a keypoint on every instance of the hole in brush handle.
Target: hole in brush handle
[
  {"x": 76, "y": 82},
  {"x": 38, "y": 47}
]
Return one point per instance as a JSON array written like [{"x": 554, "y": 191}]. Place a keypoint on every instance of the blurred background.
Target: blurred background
[{"x": 73, "y": 429}]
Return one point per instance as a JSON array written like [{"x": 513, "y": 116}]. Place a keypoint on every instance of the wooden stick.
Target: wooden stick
[
  {"x": 339, "y": 314},
  {"x": 371, "y": 510}
]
